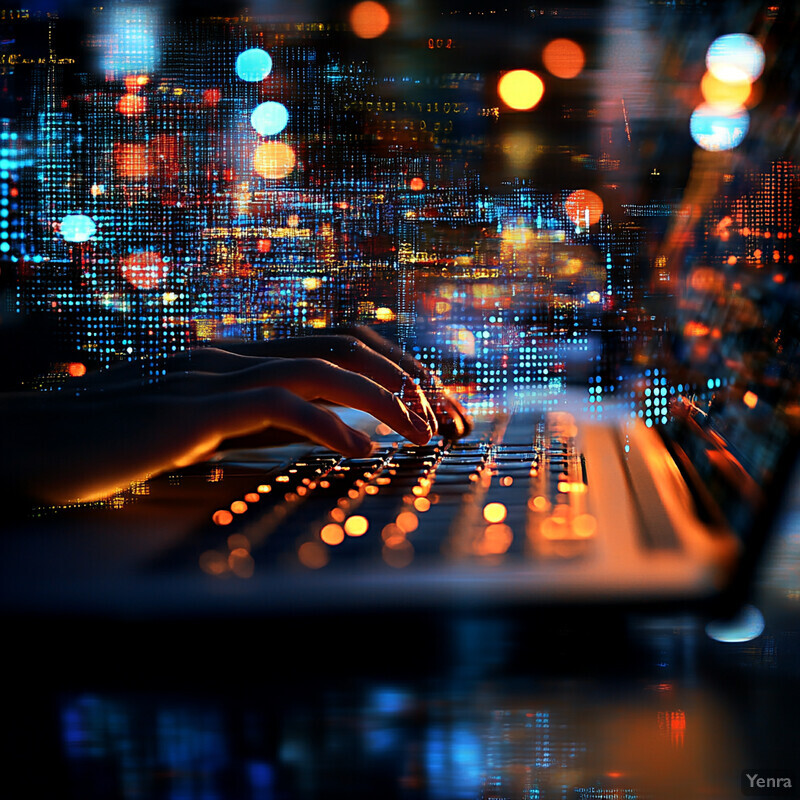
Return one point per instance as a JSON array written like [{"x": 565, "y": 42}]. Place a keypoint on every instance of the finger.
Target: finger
[
  {"x": 311, "y": 379},
  {"x": 391, "y": 350},
  {"x": 251, "y": 411},
  {"x": 211, "y": 359},
  {"x": 269, "y": 437},
  {"x": 454, "y": 421},
  {"x": 351, "y": 354}
]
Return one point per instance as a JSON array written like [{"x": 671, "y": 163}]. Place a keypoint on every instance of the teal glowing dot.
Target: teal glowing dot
[
  {"x": 714, "y": 131},
  {"x": 735, "y": 57},
  {"x": 77, "y": 227},
  {"x": 747, "y": 625},
  {"x": 253, "y": 65},
  {"x": 269, "y": 118}
]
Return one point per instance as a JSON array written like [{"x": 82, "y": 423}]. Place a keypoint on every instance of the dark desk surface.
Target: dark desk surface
[
  {"x": 475, "y": 707},
  {"x": 548, "y": 704}
]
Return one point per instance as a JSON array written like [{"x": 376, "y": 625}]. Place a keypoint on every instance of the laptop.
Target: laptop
[
  {"x": 556, "y": 507},
  {"x": 552, "y": 508}
]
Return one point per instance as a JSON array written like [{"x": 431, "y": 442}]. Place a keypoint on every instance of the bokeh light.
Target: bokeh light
[
  {"x": 520, "y": 89},
  {"x": 494, "y": 512},
  {"x": 398, "y": 554},
  {"x": 416, "y": 184},
  {"x": 144, "y": 270},
  {"x": 714, "y": 131},
  {"x": 131, "y": 105},
  {"x": 131, "y": 160},
  {"x": 407, "y": 521},
  {"x": 253, "y": 65},
  {"x": 520, "y": 149},
  {"x": 313, "y": 555},
  {"x": 726, "y": 96},
  {"x": 269, "y": 118},
  {"x": 369, "y": 19},
  {"x": 274, "y": 160},
  {"x": 130, "y": 45},
  {"x": 356, "y": 526},
  {"x": 747, "y": 625},
  {"x": 77, "y": 228},
  {"x": 735, "y": 57},
  {"x": 213, "y": 563},
  {"x": 582, "y": 206},
  {"x": 563, "y": 58},
  {"x": 135, "y": 82},
  {"x": 332, "y": 534},
  {"x": 495, "y": 541},
  {"x": 222, "y": 517}
]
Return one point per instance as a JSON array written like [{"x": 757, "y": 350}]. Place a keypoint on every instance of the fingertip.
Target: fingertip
[{"x": 359, "y": 444}]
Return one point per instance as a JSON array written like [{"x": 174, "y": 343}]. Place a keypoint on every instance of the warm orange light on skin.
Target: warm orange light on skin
[
  {"x": 581, "y": 201},
  {"x": 274, "y": 160},
  {"x": 563, "y": 58},
  {"x": 726, "y": 96},
  {"x": 520, "y": 89},
  {"x": 369, "y": 19}
]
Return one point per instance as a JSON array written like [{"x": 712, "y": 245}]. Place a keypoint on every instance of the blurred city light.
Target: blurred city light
[
  {"x": 520, "y": 89},
  {"x": 735, "y": 57},
  {"x": 253, "y": 65}
]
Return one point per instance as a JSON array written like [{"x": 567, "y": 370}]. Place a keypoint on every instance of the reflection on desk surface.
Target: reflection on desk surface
[
  {"x": 584, "y": 741},
  {"x": 662, "y": 711}
]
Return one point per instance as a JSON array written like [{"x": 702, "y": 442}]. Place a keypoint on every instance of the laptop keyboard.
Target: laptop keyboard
[{"x": 496, "y": 496}]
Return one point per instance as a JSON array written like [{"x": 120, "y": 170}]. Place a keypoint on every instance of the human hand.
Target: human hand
[
  {"x": 103, "y": 432},
  {"x": 363, "y": 350}
]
